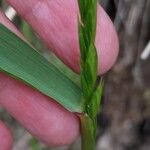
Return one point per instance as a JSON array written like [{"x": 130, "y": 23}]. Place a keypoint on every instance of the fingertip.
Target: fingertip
[
  {"x": 40, "y": 115},
  {"x": 55, "y": 22},
  {"x": 5, "y": 137},
  {"x": 107, "y": 42},
  {"x": 64, "y": 131}
]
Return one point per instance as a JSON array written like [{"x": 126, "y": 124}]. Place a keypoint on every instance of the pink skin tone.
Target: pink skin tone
[
  {"x": 55, "y": 22},
  {"x": 5, "y": 137}
]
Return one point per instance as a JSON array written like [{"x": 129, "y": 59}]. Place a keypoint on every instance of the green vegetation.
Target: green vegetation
[{"x": 21, "y": 61}]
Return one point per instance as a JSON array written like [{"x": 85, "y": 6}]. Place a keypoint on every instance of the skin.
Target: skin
[
  {"x": 5, "y": 137},
  {"x": 55, "y": 22}
]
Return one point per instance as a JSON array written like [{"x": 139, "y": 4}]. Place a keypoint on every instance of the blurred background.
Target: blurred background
[{"x": 124, "y": 117}]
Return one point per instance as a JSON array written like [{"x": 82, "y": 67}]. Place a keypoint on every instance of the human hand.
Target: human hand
[{"x": 55, "y": 21}]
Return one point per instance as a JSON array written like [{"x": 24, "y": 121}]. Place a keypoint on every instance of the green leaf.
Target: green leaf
[
  {"x": 95, "y": 100},
  {"x": 34, "y": 144},
  {"x": 22, "y": 62},
  {"x": 88, "y": 17},
  {"x": 89, "y": 74}
]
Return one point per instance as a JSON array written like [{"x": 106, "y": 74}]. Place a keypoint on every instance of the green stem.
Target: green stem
[{"x": 88, "y": 133}]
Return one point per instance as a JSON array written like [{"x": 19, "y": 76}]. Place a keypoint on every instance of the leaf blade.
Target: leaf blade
[{"x": 21, "y": 61}]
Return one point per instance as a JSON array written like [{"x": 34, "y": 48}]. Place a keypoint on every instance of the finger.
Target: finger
[
  {"x": 5, "y": 137},
  {"x": 55, "y": 21},
  {"x": 40, "y": 115}
]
